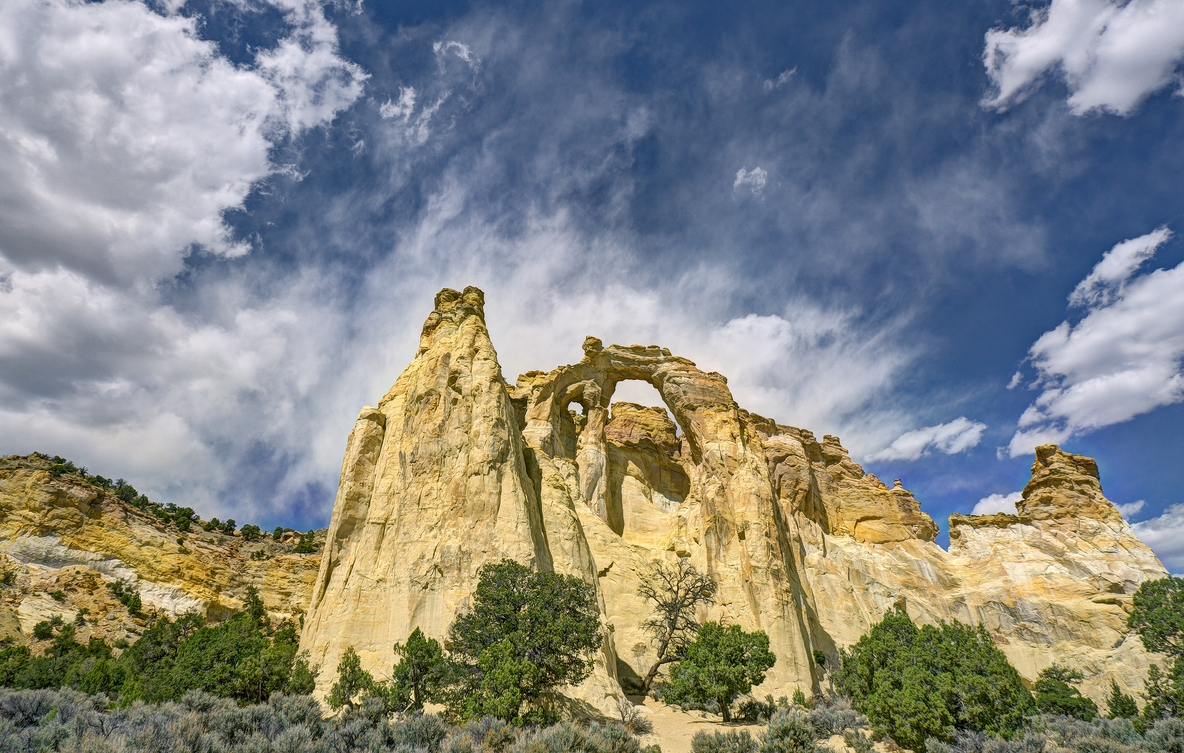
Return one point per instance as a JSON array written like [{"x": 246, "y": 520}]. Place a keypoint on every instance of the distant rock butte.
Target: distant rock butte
[
  {"x": 455, "y": 468},
  {"x": 69, "y": 536}
]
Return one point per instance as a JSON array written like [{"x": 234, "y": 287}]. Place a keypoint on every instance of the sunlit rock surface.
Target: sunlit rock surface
[
  {"x": 65, "y": 535},
  {"x": 455, "y": 468}
]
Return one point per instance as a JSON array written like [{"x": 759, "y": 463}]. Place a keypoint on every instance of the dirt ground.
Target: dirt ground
[{"x": 674, "y": 728}]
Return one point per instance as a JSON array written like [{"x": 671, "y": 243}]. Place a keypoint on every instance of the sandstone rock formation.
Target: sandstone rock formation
[
  {"x": 69, "y": 536},
  {"x": 455, "y": 468}
]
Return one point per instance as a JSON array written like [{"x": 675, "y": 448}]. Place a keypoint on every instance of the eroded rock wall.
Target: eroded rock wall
[
  {"x": 68, "y": 536},
  {"x": 1051, "y": 587},
  {"x": 455, "y": 468}
]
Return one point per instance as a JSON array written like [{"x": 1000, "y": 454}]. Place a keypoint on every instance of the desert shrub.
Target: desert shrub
[
  {"x": 307, "y": 544},
  {"x": 183, "y": 518},
  {"x": 211, "y": 525},
  {"x": 858, "y": 741},
  {"x": 737, "y": 741},
  {"x": 1166, "y": 736},
  {"x": 569, "y": 738},
  {"x": 756, "y": 711},
  {"x": 789, "y": 731},
  {"x": 421, "y": 732},
  {"x": 969, "y": 741},
  {"x": 633, "y": 719},
  {"x": 836, "y": 717},
  {"x": 228, "y": 527},
  {"x": 127, "y": 595},
  {"x": 486, "y": 735},
  {"x": 251, "y": 532}
]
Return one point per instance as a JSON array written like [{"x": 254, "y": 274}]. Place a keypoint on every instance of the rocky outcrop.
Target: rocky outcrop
[
  {"x": 65, "y": 536},
  {"x": 455, "y": 468},
  {"x": 1052, "y": 583}
]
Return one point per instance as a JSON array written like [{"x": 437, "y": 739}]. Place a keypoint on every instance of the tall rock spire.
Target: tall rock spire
[{"x": 433, "y": 486}]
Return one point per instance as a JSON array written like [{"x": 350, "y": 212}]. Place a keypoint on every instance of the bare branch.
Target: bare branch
[{"x": 675, "y": 591}]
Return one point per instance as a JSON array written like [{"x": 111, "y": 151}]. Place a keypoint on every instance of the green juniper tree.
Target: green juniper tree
[
  {"x": 1120, "y": 705},
  {"x": 353, "y": 682},
  {"x": 525, "y": 634},
  {"x": 720, "y": 664},
  {"x": 1056, "y": 694},
  {"x": 421, "y": 673},
  {"x": 915, "y": 683},
  {"x": 1158, "y": 617}
]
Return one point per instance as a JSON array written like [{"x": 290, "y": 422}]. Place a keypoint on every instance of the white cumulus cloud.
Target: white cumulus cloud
[
  {"x": 1112, "y": 54},
  {"x": 996, "y": 503},
  {"x": 1121, "y": 360},
  {"x": 951, "y": 438},
  {"x": 1116, "y": 267},
  {"x": 1165, "y": 534},
  {"x": 1131, "y": 508},
  {"x": 124, "y": 137}
]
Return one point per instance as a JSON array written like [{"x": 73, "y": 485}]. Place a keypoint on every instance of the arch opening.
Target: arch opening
[{"x": 646, "y": 479}]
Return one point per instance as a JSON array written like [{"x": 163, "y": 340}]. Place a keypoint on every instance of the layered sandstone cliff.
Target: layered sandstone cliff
[
  {"x": 66, "y": 536},
  {"x": 455, "y": 468}
]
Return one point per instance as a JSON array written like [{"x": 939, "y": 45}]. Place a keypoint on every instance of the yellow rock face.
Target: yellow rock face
[
  {"x": 455, "y": 469},
  {"x": 65, "y": 536}
]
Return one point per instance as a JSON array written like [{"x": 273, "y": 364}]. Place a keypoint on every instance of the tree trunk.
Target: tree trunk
[
  {"x": 725, "y": 709},
  {"x": 649, "y": 676}
]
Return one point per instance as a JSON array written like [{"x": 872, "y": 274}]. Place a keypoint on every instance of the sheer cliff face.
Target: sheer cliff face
[{"x": 455, "y": 469}]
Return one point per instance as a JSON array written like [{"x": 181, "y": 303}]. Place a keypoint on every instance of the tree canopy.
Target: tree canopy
[
  {"x": 1056, "y": 694},
  {"x": 421, "y": 673},
  {"x": 242, "y": 658},
  {"x": 914, "y": 683},
  {"x": 1157, "y": 615},
  {"x": 720, "y": 664},
  {"x": 525, "y": 634}
]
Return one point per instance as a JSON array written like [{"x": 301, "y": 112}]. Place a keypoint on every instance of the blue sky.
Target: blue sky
[{"x": 943, "y": 231}]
